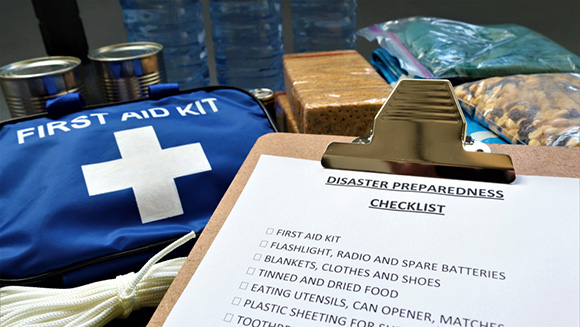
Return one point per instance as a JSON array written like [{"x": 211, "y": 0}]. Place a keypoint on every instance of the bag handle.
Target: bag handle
[{"x": 65, "y": 104}]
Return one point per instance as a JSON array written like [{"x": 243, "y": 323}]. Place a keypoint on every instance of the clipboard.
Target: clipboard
[{"x": 527, "y": 160}]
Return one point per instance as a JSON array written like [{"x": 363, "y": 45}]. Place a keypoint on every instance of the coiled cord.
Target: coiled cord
[{"x": 94, "y": 304}]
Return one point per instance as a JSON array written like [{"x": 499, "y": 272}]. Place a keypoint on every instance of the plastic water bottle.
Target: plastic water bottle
[
  {"x": 324, "y": 25},
  {"x": 178, "y": 26},
  {"x": 248, "y": 45}
]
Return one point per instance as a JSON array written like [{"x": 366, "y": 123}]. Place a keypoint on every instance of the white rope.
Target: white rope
[{"x": 94, "y": 304}]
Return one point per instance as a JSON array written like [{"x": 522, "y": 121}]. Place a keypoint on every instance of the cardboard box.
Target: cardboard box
[{"x": 284, "y": 117}]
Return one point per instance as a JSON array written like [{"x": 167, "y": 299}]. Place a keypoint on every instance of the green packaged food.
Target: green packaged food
[{"x": 441, "y": 48}]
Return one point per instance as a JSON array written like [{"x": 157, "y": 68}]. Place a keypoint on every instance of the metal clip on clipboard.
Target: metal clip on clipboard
[{"x": 420, "y": 131}]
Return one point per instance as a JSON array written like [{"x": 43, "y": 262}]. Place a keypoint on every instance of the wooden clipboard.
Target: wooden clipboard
[{"x": 527, "y": 160}]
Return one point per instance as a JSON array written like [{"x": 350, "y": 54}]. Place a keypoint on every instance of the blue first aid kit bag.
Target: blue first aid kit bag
[{"x": 88, "y": 194}]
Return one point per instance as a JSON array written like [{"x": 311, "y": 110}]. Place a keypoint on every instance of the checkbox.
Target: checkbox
[
  {"x": 257, "y": 257},
  {"x": 243, "y": 286},
  {"x": 236, "y": 301},
  {"x": 251, "y": 271},
  {"x": 270, "y": 231},
  {"x": 263, "y": 244},
  {"x": 228, "y": 317}
]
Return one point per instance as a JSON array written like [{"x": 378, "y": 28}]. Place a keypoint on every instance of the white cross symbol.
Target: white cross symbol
[{"x": 148, "y": 170}]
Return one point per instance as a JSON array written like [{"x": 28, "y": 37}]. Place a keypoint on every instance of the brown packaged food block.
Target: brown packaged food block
[
  {"x": 284, "y": 117},
  {"x": 335, "y": 92}
]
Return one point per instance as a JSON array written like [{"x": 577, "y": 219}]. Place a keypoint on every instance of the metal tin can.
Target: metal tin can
[
  {"x": 124, "y": 71},
  {"x": 28, "y": 84},
  {"x": 266, "y": 96}
]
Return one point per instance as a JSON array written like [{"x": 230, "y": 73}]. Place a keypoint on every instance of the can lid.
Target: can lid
[
  {"x": 38, "y": 67},
  {"x": 263, "y": 94},
  {"x": 125, "y": 51}
]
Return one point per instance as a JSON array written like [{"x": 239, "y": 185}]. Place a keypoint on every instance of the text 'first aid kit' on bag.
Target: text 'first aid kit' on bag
[{"x": 96, "y": 192}]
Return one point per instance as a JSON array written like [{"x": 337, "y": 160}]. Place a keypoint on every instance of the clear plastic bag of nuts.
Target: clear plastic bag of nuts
[{"x": 541, "y": 109}]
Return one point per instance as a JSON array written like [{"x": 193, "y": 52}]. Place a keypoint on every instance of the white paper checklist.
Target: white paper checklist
[{"x": 308, "y": 246}]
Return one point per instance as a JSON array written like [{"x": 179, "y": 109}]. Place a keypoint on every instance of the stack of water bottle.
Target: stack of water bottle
[
  {"x": 323, "y": 25},
  {"x": 248, "y": 44},
  {"x": 178, "y": 26},
  {"x": 247, "y": 36}
]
